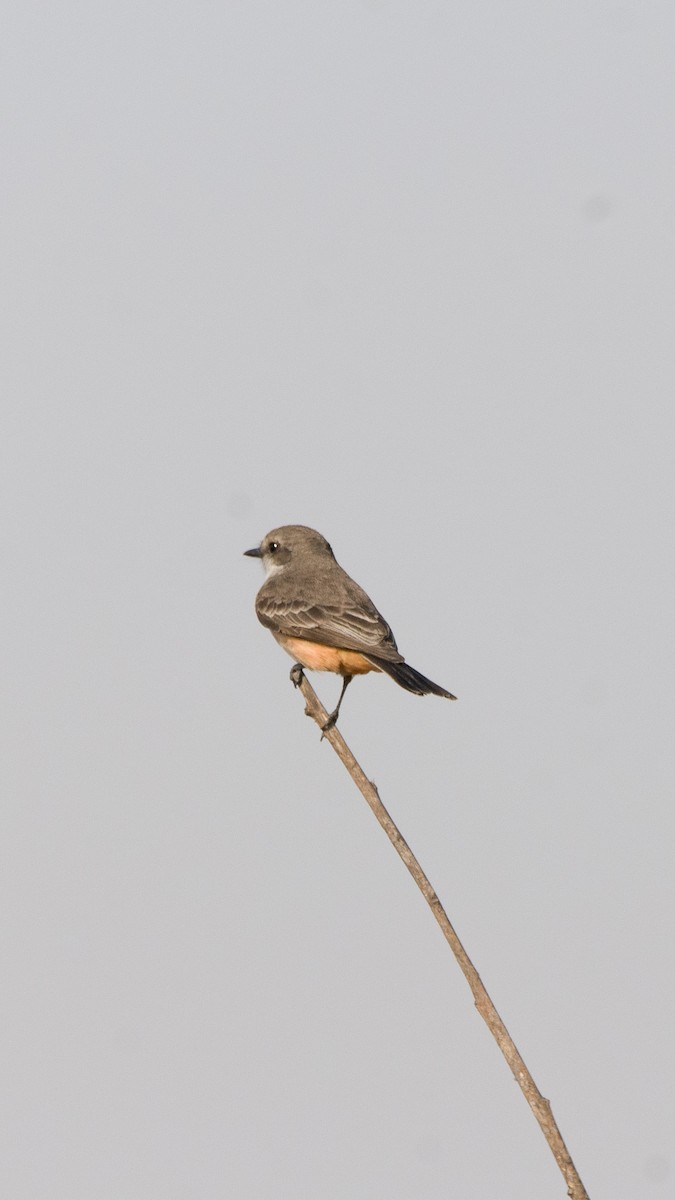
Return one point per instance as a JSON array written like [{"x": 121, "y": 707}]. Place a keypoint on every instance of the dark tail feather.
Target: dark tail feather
[{"x": 410, "y": 679}]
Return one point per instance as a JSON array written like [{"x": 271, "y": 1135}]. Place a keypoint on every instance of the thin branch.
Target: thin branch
[{"x": 539, "y": 1105}]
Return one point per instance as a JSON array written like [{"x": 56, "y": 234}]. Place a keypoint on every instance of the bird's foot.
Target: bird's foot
[
  {"x": 330, "y": 723},
  {"x": 297, "y": 674}
]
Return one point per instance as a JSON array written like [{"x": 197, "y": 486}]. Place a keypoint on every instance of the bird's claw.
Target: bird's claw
[{"x": 297, "y": 674}]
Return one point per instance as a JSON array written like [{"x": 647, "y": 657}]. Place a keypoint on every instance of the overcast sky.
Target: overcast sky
[{"x": 404, "y": 273}]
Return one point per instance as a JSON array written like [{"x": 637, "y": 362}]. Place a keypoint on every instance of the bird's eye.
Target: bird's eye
[{"x": 274, "y": 546}]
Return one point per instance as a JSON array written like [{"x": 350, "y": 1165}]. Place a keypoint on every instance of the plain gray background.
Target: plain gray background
[{"x": 403, "y": 272}]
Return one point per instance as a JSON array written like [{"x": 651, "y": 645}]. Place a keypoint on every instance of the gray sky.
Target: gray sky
[{"x": 403, "y": 273}]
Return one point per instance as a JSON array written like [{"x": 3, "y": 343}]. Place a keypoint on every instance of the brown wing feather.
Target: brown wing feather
[{"x": 345, "y": 626}]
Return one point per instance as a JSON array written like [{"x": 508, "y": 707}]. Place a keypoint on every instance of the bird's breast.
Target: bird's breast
[{"x": 317, "y": 657}]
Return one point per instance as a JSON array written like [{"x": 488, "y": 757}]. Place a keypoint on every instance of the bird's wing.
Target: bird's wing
[{"x": 345, "y": 626}]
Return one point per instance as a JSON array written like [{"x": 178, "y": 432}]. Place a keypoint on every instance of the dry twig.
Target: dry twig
[{"x": 539, "y": 1105}]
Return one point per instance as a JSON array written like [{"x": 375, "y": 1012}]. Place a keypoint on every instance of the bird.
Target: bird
[{"x": 322, "y": 618}]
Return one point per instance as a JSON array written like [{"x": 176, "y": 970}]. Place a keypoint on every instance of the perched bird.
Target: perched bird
[{"x": 322, "y": 618}]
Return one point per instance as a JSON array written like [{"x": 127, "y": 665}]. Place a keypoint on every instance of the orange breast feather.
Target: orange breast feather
[{"x": 325, "y": 658}]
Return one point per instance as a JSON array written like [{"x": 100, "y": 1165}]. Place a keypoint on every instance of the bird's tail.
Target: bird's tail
[{"x": 410, "y": 679}]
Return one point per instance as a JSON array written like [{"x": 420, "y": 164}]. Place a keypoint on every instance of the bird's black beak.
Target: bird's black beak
[{"x": 255, "y": 553}]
